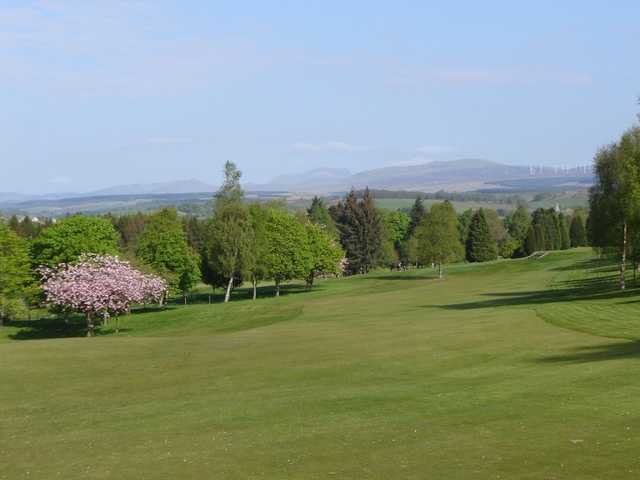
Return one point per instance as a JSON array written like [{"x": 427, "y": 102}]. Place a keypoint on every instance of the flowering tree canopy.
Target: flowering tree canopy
[{"x": 99, "y": 285}]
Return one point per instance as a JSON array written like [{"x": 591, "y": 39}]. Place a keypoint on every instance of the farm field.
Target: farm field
[{"x": 512, "y": 369}]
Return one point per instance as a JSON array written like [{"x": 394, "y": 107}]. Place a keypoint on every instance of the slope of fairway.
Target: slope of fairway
[{"x": 485, "y": 374}]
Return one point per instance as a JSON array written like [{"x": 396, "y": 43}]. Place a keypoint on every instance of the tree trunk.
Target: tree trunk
[
  {"x": 89, "y": 325},
  {"x": 277, "y": 288},
  {"x": 624, "y": 256},
  {"x": 117, "y": 324},
  {"x": 184, "y": 294},
  {"x": 255, "y": 287},
  {"x": 227, "y": 294},
  {"x": 310, "y": 280},
  {"x": 440, "y": 270}
]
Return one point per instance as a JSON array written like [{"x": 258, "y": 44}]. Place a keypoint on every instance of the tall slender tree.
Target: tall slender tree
[{"x": 481, "y": 246}]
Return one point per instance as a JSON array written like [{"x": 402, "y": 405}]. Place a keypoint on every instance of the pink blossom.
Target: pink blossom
[{"x": 100, "y": 285}]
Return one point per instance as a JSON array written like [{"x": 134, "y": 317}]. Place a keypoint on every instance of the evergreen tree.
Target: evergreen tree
[
  {"x": 481, "y": 247},
  {"x": 578, "y": 232},
  {"x": 361, "y": 231},
  {"x": 518, "y": 225},
  {"x": 564, "y": 232},
  {"x": 416, "y": 214},
  {"x": 464, "y": 222}
]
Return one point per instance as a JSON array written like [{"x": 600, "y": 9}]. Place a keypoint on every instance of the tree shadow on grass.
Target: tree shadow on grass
[
  {"x": 49, "y": 328},
  {"x": 594, "y": 264},
  {"x": 578, "y": 290},
  {"x": 244, "y": 293},
  {"x": 595, "y": 353}
]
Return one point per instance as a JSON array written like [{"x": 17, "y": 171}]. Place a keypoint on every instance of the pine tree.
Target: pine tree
[
  {"x": 481, "y": 247},
  {"x": 564, "y": 232},
  {"x": 578, "y": 232},
  {"x": 416, "y": 214},
  {"x": 361, "y": 231}
]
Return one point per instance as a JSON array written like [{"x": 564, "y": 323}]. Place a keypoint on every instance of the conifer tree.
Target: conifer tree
[
  {"x": 578, "y": 232},
  {"x": 481, "y": 247}
]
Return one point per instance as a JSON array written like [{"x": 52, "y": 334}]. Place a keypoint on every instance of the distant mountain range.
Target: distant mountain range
[
  {"x": 455, "y": 175},
  {"x": 452, "y": 176}
]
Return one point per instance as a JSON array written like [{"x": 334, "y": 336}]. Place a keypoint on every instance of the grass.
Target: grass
[{"x": 486, "y": 374}]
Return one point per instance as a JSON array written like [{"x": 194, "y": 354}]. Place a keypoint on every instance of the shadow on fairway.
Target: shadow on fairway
[
  {"x": 244, "y": 293},
  {"x": 598, "y": 288},
  {"x": 595, "y": 353},
  {"x": 48, "y": 328}
]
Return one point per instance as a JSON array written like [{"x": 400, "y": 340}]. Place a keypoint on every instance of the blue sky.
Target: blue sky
[{"x": 96, "y": 93}]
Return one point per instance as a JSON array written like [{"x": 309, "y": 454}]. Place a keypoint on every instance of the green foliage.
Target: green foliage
[
  {"x": 481, "y": 246},
  {"x": 163, "y": 247},
  {"x": 577, "y": 232},
  {"x": 464, "y": 222},
  {"x": 319, "y": 214},
  {"x": 130, "y": 227},
  {"x": 438, "y": 236},
  {"x": 70, "y": 237},
  {"x": 287, "y": 253},
  {"x": 416, "y": 214},
  {"x": 229, "y": 240},
  {"x": 361, "y": 231},
  {"x": 16, "y": 276},
  {"x": 324, "y": 253},
  {"x": 396, "y": 225},
  {"x": 518, "y": 223}
]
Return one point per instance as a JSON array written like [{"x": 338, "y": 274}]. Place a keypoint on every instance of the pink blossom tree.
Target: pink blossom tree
[{"x": 99, "y": 286}]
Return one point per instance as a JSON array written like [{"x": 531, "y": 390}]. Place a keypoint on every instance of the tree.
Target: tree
[
  {"x": 396, "y": 225},
  {"x": 130, "y": 227},
  {"x": 319, "y": 214},
  {"x": 518, "y": 224},
  {"x": 361, "y": 231},
  {"x": 464, "y": 222},
  {"x": 577, "y": 231},
  {"x": 437, "y": 236},
  {"x": 287, "y": 248},
  {"x": 257, "y": 250},
  {"x": 99, "y": 286},
  {"x": 614, "y": 199},
  {"x": 163, "y": 247},
  {"x": 416, "y": 214},
  {"x": 565, "y": 239},
  {"x": 69, "y": 238},
  {"x": 324, "y": 253},
  {"x": 16, "y": 280},
  {"x": 229, "y": 232},
  {"x": 481, "y": 247}
]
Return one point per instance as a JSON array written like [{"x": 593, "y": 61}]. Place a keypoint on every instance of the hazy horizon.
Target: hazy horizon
[{"x": 110, "y": 93}]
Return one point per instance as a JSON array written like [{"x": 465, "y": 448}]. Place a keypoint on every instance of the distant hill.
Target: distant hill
[
  {"x": 313, "y": 180},
  {"x": 178, "y": 186},
  {"x": 454, "y": 175}
]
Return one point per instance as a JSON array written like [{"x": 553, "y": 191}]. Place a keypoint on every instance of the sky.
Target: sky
[{"x": 99, "y": 93}]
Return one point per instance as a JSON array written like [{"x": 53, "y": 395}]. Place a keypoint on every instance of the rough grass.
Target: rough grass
[{"x": 393, "y": 375}]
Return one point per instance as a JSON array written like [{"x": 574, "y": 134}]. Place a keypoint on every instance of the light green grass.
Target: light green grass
[
  {"x": 398, "y": 203},
  {"x": 386, "y": 376}
]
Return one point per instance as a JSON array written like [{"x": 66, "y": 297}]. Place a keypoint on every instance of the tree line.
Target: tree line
[{"x": 244, "y": 242}]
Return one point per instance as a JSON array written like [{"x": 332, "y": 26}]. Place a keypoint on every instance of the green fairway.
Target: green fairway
[{"x": 512, "y": 369}]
